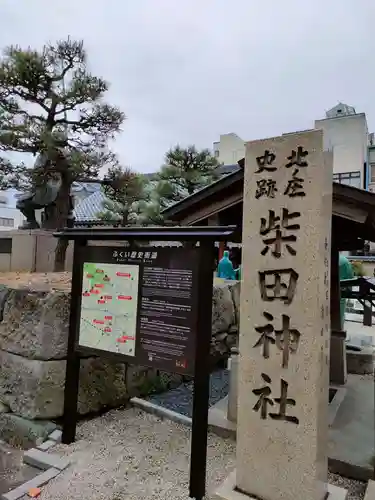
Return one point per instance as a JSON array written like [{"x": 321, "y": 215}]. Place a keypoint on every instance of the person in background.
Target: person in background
[
  {"x": 345, "y": 273},
  {"x": 225, "y": 268}
]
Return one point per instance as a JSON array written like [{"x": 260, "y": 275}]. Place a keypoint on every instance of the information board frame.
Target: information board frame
[
  {"x": 87, "y": 254},
  {"x": 202, "y": 239}
]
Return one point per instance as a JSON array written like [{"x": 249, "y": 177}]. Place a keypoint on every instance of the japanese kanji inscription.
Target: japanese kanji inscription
[
  {"x": 283, "y": 401},
  {"x": 281, "y": 228},
  {"x": 286, "y": 339}
]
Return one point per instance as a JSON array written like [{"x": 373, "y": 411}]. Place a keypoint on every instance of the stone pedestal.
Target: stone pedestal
[
  {"x": 229, "y": 491},
  {"x": 283, "y": 378}
]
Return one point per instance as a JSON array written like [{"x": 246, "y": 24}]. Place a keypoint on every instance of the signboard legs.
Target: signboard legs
[
  {"x": 73, "y": 360},
  {"x": 198, "y": 455}
]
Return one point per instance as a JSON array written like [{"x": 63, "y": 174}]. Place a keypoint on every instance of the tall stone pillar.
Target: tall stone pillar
[{"x": 283, "y": 377}]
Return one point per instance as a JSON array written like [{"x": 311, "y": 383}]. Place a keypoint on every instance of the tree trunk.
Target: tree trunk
[
  {"x": 62, "y": 212},
  {"x": 60, "y": 255}
]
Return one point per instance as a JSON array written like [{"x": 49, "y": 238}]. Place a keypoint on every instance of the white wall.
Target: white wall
[
  {"x": 231, "y": 148},
  {"x": 347, "y": 136},
  {"x": 7, "y": 214}
]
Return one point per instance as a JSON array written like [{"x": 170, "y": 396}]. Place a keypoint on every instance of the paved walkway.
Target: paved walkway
[{"x": 352, "y": 434}]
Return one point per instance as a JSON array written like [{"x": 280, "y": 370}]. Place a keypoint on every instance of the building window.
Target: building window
[
  {"x": 349, "y": 178},
  {"x": 372, "y": 172},
  {"x": 6, "y": 222},
  {"x": 217, "y": 153}
]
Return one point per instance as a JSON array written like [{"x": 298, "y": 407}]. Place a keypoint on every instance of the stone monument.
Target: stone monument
[{"x": 283, "y": 378}]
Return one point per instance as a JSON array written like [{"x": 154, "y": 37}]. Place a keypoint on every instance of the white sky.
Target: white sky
[{"x": 185, "y": 71}]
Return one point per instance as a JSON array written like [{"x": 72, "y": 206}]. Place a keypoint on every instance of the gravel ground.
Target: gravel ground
[
  {"x": 13, "y": 471},
  {"x": 37, "y": 281},
  {"x": 128, "y": 454},
  {"x": 180, "y": 399}
]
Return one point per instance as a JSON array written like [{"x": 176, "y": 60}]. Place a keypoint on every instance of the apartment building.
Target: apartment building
[
  {"x": 345, "y": 133},
  {"x": 229, "y": 149}
]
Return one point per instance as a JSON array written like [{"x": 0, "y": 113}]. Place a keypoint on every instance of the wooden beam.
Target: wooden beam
[{"x": 212, "y": 209}]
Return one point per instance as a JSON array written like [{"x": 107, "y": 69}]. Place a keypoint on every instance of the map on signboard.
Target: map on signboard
[{"x": 109, "y": 307}]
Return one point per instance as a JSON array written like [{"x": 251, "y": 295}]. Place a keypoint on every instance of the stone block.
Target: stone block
[
  {"x": 55, "y": 436},
  {"x": 223, "y": 314},
  {"x": 23, "y": 433},
  {"x": 141, "y": 381},
  {"x": 42, "y": 460},
  {"x": 35, "y": 323},
  {"x": 46, "y": 445},
  {"x": 4, "y": 408},
  {"x": 35, "y": 389},
  {"x": 36, "y": 482}
]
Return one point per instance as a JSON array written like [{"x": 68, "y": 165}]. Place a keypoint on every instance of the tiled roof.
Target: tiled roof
[
  {"x": 88, "y": 209},
  {"x": 90, "y": 187}
]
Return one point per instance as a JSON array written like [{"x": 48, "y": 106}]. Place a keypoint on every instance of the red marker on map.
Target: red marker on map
[
  {"x": 99, "y": 285},
  {"x": 107, "y": 317},
  {"x": 101, "y": 301},
  {"x": 124, "y": 297},
  {"x": 86, "y": 294},
  {"x": 98, "y": 321},
  {"x": 107, "y": 329},
  {"x": 124, "y": 275},
  {"x": 124, "y": 338},
  {"x": 89, "y": 275},
  {"x": 108, "y": 297}
]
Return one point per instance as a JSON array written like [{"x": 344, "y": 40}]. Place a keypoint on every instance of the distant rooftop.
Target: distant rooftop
[
  {"x": 340, "y": 109},
  {"x": 88, "y": 209}
]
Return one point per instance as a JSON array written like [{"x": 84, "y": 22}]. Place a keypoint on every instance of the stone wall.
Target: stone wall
[
  {"x": 225, "y": 317},
  {"x": 33, "y": 346}
]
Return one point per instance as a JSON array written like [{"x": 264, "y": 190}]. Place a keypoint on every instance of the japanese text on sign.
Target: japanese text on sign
[{"x": 279, "y": 235}]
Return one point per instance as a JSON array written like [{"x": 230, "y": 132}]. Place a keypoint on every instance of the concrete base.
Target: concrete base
[
  {"x": 227, "y": 491},
  {"x": 218, "y": 421},
  {"x": 360, "y": 362},
  {"x": 370, "y": 491}
]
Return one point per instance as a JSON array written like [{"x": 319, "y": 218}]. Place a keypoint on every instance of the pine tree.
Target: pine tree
[
  {"x": 124, "y": 191},
  {"x": 52, "y": 106},
  {"x": 186, "y": 171}
]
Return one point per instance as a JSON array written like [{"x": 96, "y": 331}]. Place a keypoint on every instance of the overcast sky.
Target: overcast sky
[{"x": 186, "y": 71}]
